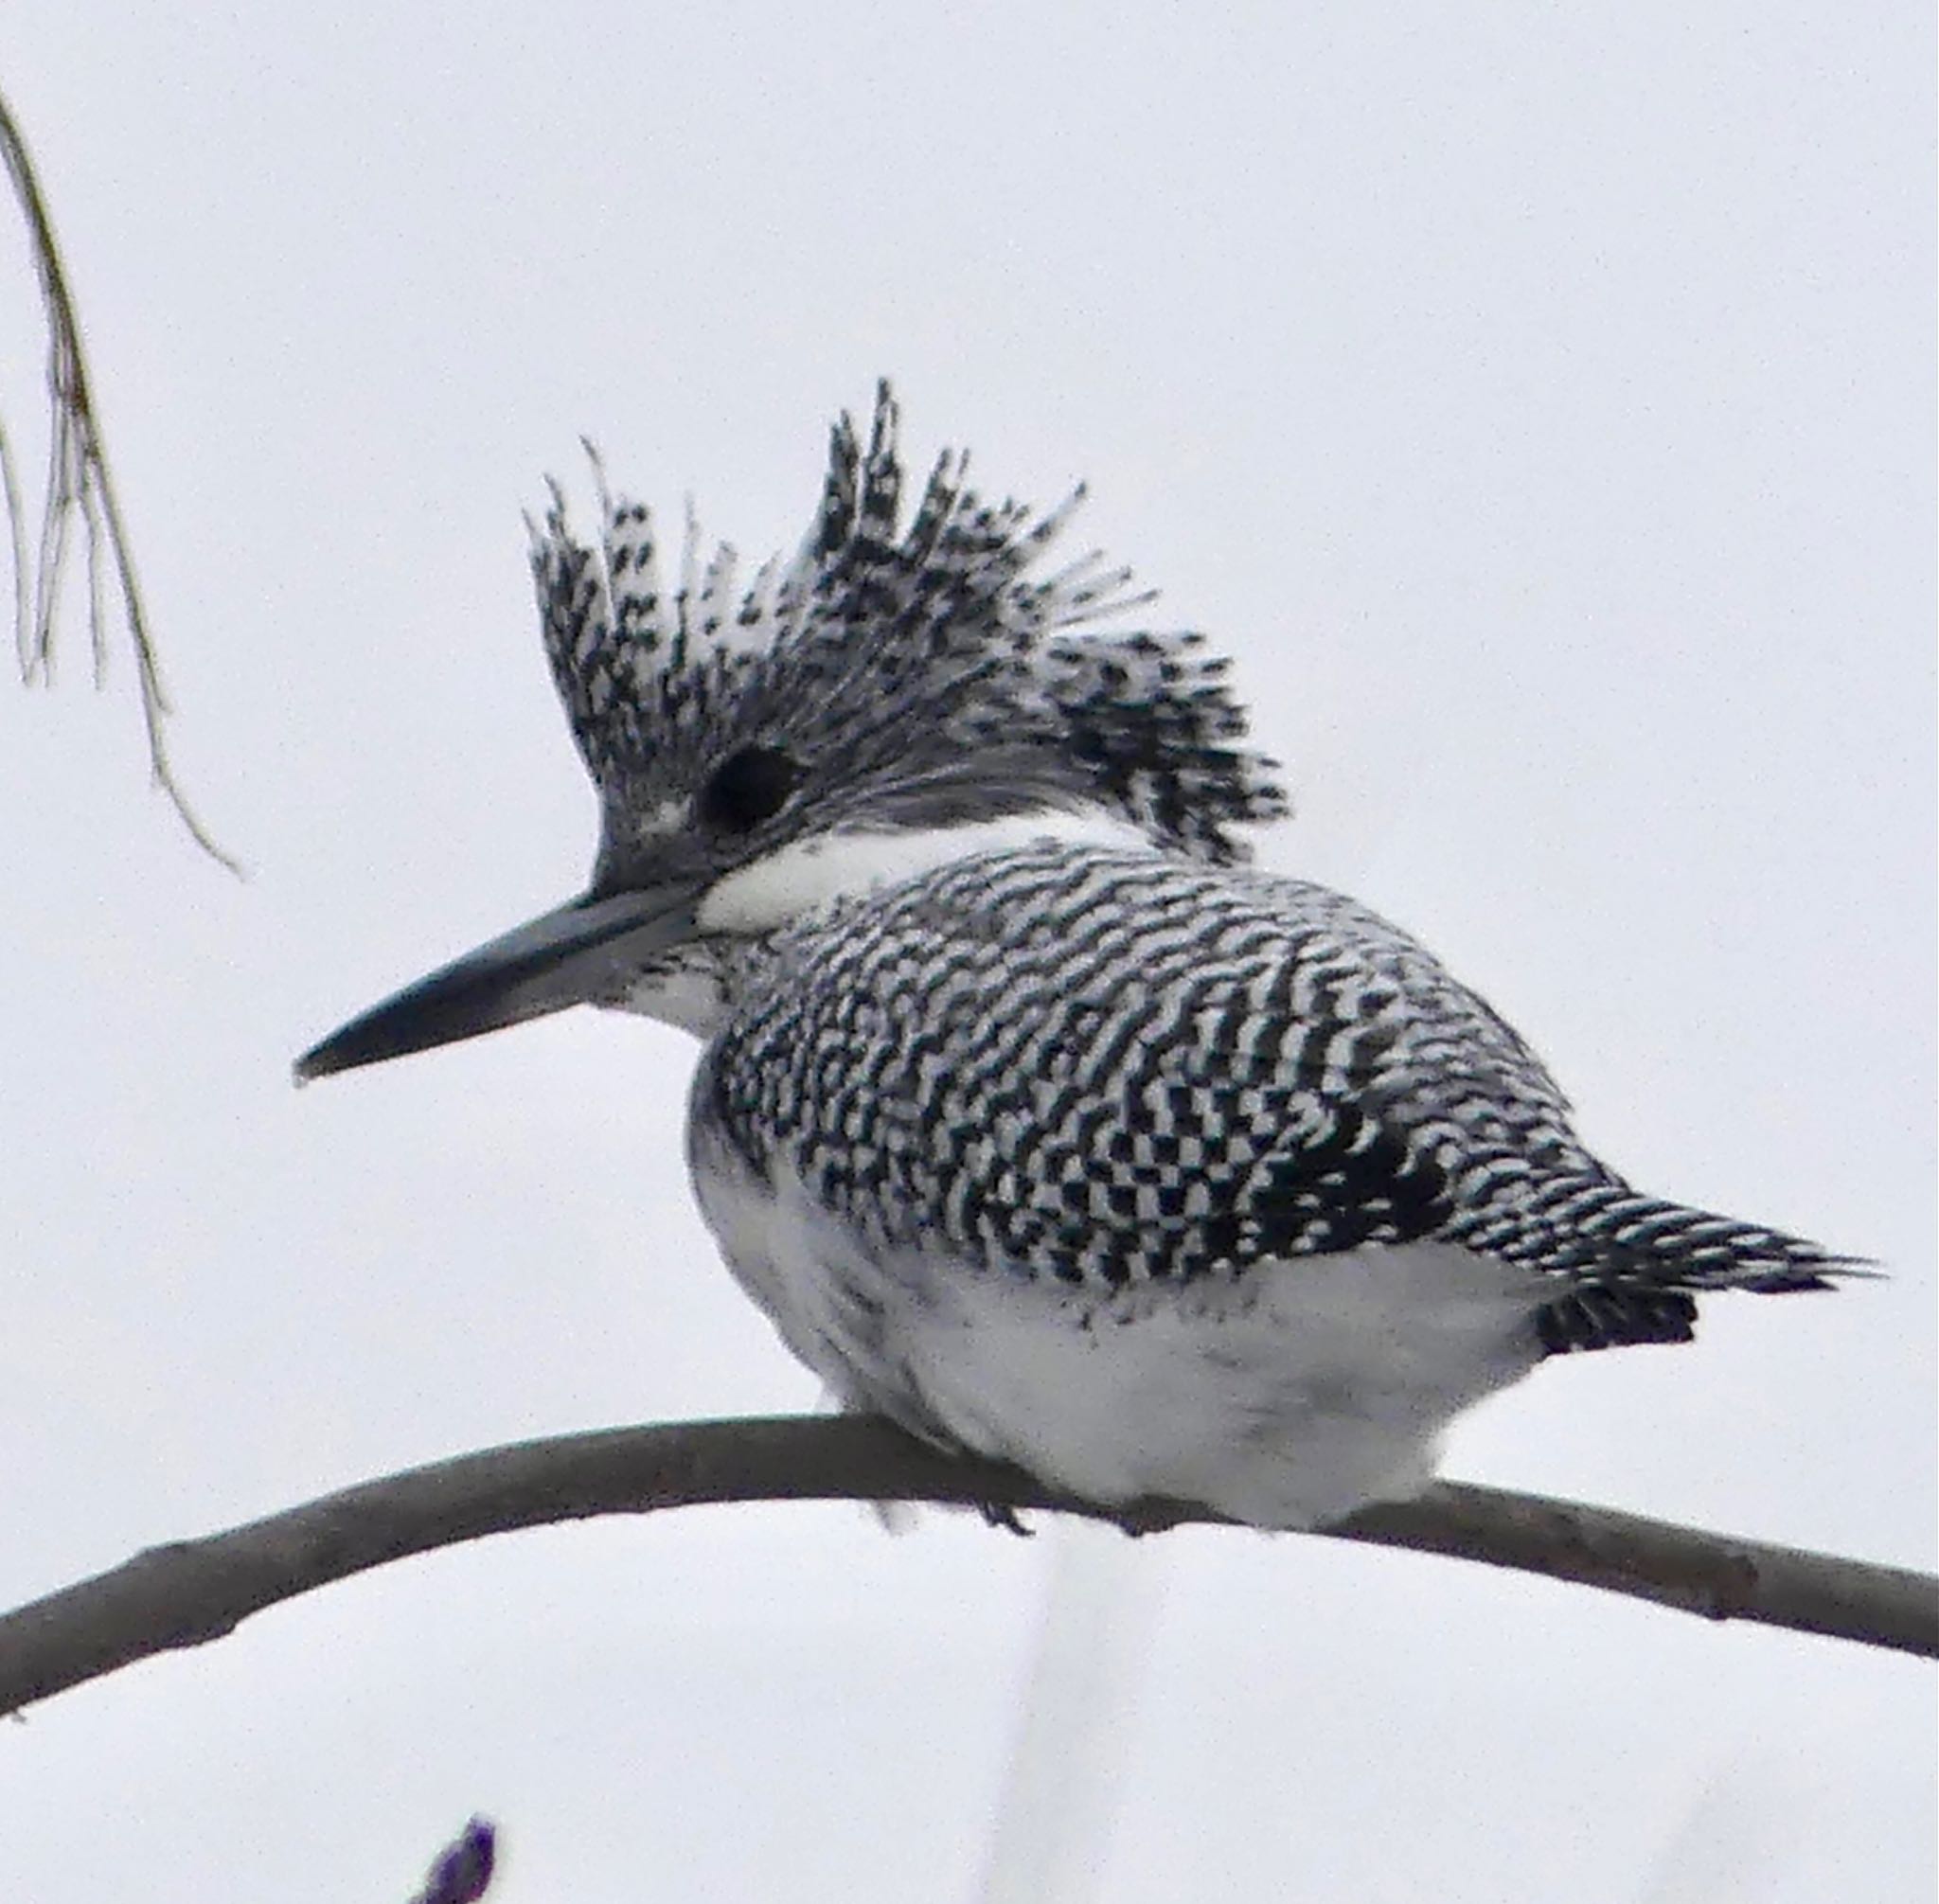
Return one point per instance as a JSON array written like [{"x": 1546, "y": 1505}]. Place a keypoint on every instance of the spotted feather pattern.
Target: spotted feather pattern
[
  {"x": 875, "y": 636},
  {"x": 1114, "y": 1068}
]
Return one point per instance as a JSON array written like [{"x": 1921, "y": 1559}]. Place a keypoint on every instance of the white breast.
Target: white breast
[{"x": 1312, "y": 1386}]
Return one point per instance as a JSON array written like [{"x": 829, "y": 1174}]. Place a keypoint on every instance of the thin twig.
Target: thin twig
[
  {"x": 195, "y": 1590},
  {"x": 78, "y": 479}
]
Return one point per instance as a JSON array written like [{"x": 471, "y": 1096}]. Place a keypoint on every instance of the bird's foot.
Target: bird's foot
[{"x": 998, "y": 1514}]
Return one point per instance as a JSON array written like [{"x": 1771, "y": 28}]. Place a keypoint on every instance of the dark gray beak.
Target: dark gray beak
[{"x": 585, "y": 950}]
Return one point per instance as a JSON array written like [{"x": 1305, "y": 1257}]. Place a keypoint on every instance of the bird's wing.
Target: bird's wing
[{"x": 1115, "y": 1068}]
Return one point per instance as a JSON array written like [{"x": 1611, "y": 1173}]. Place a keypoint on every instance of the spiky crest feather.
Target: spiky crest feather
[{"x": 869, "y": 637}]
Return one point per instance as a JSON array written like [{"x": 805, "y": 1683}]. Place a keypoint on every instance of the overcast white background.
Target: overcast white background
[{"x": 1538, "y": 401}]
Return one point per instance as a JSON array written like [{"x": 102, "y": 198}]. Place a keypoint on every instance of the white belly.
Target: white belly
[{"x": 1313, "y": 1386}]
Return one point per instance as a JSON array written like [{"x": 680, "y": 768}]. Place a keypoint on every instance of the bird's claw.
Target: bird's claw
[{"x": 997, "y": 1514}]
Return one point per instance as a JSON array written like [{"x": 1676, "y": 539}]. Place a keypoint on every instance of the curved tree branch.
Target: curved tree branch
[{"x": 193, "y": 1591}]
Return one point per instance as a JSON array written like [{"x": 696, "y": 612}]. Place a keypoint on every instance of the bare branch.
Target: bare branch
[
  {"x": 78, "y": 480},
  {"x": 195, "y": 1590}
]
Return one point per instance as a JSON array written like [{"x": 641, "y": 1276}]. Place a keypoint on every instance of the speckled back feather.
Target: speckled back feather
[{"x": 1113, "y": 1068}]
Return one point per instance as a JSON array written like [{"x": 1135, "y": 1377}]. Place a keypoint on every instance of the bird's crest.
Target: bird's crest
[{"x": 875, "y": 640}]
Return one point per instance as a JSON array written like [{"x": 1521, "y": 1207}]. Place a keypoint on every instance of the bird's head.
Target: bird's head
[{"x": 891, "y": 699}]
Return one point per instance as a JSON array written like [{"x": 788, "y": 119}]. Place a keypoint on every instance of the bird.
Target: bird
[{"x": 1034, "y": 1114}]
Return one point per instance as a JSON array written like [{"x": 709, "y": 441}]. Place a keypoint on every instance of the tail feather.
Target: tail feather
[
  {"x": 1632, "y": 1265},
  {"x": 1604, "y": 1317}
]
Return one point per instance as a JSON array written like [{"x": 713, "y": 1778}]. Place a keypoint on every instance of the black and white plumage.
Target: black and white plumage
[{"x": 1031, "y": 1113}]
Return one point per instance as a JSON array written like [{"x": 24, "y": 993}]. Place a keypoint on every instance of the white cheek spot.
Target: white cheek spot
[
  {"x": 809, "y": 873},
  {"x": 666, "y": 821}
]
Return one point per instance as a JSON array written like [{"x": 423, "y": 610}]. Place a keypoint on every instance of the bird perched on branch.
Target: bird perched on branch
[{"x": 1034, "y": 1117}]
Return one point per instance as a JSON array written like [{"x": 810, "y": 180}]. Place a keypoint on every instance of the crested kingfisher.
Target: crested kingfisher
[{"x": 1032, "y": 1114}]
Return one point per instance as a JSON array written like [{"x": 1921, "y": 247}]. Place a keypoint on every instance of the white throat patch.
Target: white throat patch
[{"x": 809, "y": 873}]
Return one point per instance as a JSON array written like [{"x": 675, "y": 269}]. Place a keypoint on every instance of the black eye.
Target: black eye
[{"x": 747, "y": 788}]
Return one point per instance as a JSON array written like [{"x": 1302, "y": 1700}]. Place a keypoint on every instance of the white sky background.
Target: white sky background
[{"x": 1535, "y": 399}]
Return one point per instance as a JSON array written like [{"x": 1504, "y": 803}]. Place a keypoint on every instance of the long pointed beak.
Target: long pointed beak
[{"x": 585, "y": 950}]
